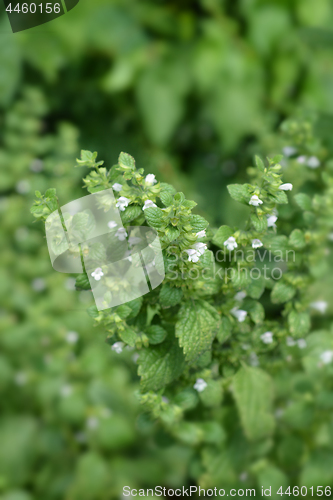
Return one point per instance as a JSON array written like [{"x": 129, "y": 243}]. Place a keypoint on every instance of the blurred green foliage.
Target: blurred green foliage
[
  {"x": 185, "y": 87},
  {"x": 191, "y": 89}
]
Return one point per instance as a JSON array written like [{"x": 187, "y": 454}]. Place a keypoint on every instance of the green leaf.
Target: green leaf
[
  {"x": 259, "y": 223},
  {"x": 240, "y": 192},
  {"x": 156, "y": 334},
  {"x": 82, "y": 282},
  {"x": 187, "y": 399},
  {"x": 272, "y": 478},
  {"x": 166, "y": 198},
  {"x": 126, "y": 161},
  {"x": 212, "y": 395},
  {"x": 128, "y": 336},
  {"x": 196, "y": 328},
  {"x": 257, "y": 312},
  {"x": 221, "y": 235},
  {"x": 303, "y": 201},
  {"x": 282, "y": 292},
  {"x": 88, "y": 159},
  {"x": 160, "y": 103},
  {"x": 124, "y": 311},
  {"x": 132, "y": 212},
  {"x": 280, "y": 197},
  {"x": 253, "y": 393},
  {"x": 170, "y": 295},
  {"x": 277, "y": 158},
  {"x": 276, "y": 243},
  {"x": 51, "y": 193},
  {"x": 256, "y": 288},
  {"x": 154, "y": 217},
  {"x": 160, "y": 365},
  {"x": 171, "y": 233},
  {"x": 297, "y": 239},
  {"x": 97, "y": 252},
  {"x": 309, "y": 217},
  {"x": 198, "y": 223},
  {"x": 299, "y": 323},
  {"x": 260, "y": 164},
  {"x": 167, "y": 188},
  {"x": 135, "y": 305},
  {"x": 83, "y": 223},
  {"x": 224, "y": 330}
]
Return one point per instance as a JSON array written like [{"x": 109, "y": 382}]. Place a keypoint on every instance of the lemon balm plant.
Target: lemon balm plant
[{"x": 227, "y": 356}]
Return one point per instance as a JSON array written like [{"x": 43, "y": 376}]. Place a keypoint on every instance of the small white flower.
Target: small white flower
[
  {"x": 256, "y": 243},
  {"x": 301, "y": 159},
  {"x": 313, "y": 162},
  {"x": 243, "y": 476},
  {"x": 66, "y": 390},
  {"x": 121, "y": 234},
  {"x": 117, "y": 187},
  {"x": 255, "y": 201},
  {"x": 254, "y": 361},
  {"x": 92, "y": 423},
  {"x": 267, "y": 337},
  {"x": 72, "y": 337},
  {"x": 246, "y": 347},
  {"x": 319, "y": 305},
  {"x": 289, "y": 151},
  {"x": 150, "y": 180},
  {"x": 70, "y": 284},
  {"x": 165, "y": 400},
  {"x": 193, "y": 255},
  {"x": 36, "y": 165},
  {"x": 279, "y": 412},
  {"x": 38, "y": 284},
  {"x": 112, "y": 224},
  {"x": 200, "y": 247},
  {"x": 230, "y": 243},
  {"x": 135, "y": 357},
  {"x": 286, "y": 187},
  {"x": 23, "y": 187},
  {"x": 330, "y": 236},
  {"x": 148, "y": 204},
  {"x": 326, "y": 357},
  {"x": 134, "y": 240},
  {"x": 200, "y": 385},
  {"x": 239, "y": 314},
  {"x": 240, "y": 296},
  {"x": 118, "y": 347},
  {"x": 80, "y": 437},
  {"x": 290, "y": 342},
  {"x": 20, "y": 378},
  {"x": 97, "y": 274},
  {"x": 271, "y": 219},
  {"x": 122, "y": 203},
  {"x": 201, "y": 234},
  {"x": 301, "y": 343}
]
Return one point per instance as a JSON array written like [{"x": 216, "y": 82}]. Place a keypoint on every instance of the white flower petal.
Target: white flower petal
[
  {"x": 200, "y": 385},
  {"x": 117, "y": 187},
  {"x": 148, "y": 204},
  {"x": 256, "y": 243},
  {"x": 289, "y": 151},
  {"x": 267, "y": 337},
  {"x": 150, "y": 180},
  {"x": 313, "y": 162},
  {"x": 319, "y": 305},
  {"x": 286, "y": 187},
  {"x": 255, "y": 201}
]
